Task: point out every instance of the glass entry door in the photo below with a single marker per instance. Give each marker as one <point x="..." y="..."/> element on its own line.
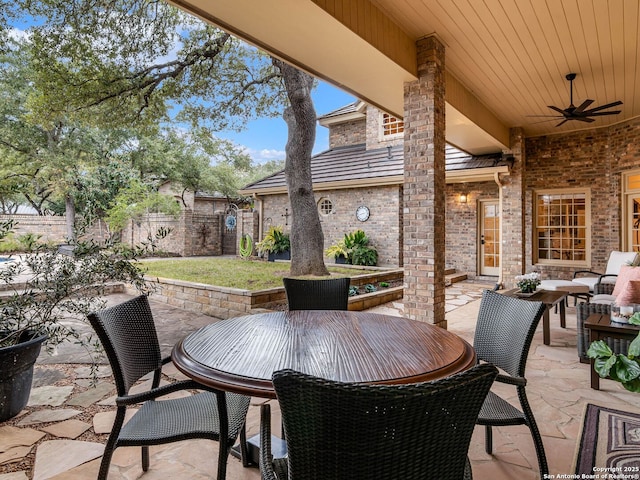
<point x="489" y="244"/>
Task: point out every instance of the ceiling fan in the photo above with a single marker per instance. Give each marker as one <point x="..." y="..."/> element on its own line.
<point x="580" y="113"/>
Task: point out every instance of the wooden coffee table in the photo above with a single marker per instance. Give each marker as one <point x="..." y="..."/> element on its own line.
<point x="549" y="298"/>
<point x="600" y="327"/>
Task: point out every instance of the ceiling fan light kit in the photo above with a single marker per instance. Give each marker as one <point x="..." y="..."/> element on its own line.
<point x="580" y="113"/>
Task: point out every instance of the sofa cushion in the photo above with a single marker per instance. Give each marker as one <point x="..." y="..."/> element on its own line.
<point x="627" y="273"/>
<point x="630" y="293"/>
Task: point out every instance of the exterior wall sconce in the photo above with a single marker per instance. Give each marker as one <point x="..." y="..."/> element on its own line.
<point x="464" y="197"/>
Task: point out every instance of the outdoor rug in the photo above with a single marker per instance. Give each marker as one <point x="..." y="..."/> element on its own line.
<point x="610" y="439"/>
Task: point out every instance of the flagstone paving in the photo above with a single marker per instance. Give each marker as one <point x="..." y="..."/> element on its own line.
<point x="66" y="423"/>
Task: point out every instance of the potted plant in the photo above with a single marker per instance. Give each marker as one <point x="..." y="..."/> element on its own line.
<point x="338" y="251"/>
<point x="276" y="244"/>
<point x="355" y="249"/>
<point x="528" y="282"/>
<point x="43" y="294"/>
<point x="619" y="367"/>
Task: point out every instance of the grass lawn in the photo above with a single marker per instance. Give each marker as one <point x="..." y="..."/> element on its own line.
<point x="230" y="272"/>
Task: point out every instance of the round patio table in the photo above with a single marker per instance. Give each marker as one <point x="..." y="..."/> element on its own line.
<point x="240" y="354"/>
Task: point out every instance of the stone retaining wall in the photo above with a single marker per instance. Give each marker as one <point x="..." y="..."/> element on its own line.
<point x="223" y="302"/>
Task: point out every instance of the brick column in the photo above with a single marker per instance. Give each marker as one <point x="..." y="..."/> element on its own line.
<point x="424" y="186"/>
<point x="513" y="208"/>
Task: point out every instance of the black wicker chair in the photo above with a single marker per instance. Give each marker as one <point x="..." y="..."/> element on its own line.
<point x="504" y="332"/>
<point x="330" y="294"/>
<point x="345" y="431"/>
<point x="128" y="334"/>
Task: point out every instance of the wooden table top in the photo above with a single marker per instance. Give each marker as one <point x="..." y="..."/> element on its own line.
<point x="240" y="354"/>
<point x="548" y="297"/>
<point x="603" y="323"/>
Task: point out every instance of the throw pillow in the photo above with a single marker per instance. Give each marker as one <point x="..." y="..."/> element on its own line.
<point x="629" y="294"/>
<point x="626" y="273"/>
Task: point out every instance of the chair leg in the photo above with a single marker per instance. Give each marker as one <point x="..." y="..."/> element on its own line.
<point x="244" y="452"/>
<point x="145" y="459"/>
<point x="111" y="444"/>
<point x="535" y="433"/>
<point x="488" y="439"/>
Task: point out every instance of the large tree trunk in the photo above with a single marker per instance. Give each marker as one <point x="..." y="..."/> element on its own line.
<point x="307" y="239"/>
<point x="70" y="214"/>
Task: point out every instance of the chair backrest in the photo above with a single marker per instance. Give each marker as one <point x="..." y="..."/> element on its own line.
<point x="504" y="331"/>
<point x="329" y="294"/>
<point x="618" y="259"/>
<point x="404" y="432"/>
<point x="128" y="335"/>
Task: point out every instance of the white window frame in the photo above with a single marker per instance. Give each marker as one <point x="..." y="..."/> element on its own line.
<point x="390" y="136"/>
<point x="628" y="194"/>
<point x="587" y="227"/>
<point x="321" y="211"/>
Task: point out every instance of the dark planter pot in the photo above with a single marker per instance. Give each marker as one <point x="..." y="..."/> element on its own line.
<point x="279" y="256"/>
<point x="342" y="260"/>
<point x="16" y="365"/>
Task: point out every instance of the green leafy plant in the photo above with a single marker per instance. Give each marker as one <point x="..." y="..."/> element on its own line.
<point x="383" y="284"/>
<point x="355" y="248"/>
<point x="621" y="368"/>
<point x="363" y="255"/>
<point x="275" y="241"/>
<point x="370" y="288"/>
<point x="353" y="291"/>
<point x="337" y="250"/>
<point x="28" y="241"/>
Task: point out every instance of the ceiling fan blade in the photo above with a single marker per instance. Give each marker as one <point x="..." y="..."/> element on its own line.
<point x="562" y="122"/>
<point x="612" y="112"/>
<point x="584" y="105"/>
<point x="602" y="107"/>
<point x="544" y="121"/>
<point x="559" y="110"/>
<point x="546" y="116"/>
<point x="583" y="119"/>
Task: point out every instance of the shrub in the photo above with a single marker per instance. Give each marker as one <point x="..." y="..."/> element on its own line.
<point x="355" y="247"/>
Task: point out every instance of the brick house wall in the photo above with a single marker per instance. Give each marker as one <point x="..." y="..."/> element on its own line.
<point x="593" y="159"/>
<point x="384" y="226"/>
<point x="462" y="224"/>
<point x="374" y="133"/>
<point x="347" y="133"/>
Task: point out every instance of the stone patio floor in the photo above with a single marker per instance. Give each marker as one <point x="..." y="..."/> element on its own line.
<point x="57" y="414"/>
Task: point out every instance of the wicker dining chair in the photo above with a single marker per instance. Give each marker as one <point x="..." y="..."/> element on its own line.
<point x="329" y="294"/>
<point x="128" y="335"/>
<point x="504" y="332"/>
<point x="355" y="431"/>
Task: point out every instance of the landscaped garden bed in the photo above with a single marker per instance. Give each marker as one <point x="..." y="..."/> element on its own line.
<point x="225" y="302"/>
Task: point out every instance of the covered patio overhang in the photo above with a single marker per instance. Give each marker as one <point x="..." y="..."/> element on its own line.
<point x="357" y="47"/>
<point x="474" y="76"/>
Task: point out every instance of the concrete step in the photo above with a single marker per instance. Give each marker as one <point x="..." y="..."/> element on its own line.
<point x="451" y="276"/>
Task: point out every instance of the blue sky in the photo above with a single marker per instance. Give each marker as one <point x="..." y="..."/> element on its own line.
<point x="266" y="138"/>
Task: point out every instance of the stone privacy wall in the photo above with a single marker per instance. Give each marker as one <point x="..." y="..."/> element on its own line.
<point x="384" y="226"/>
<point x="348" y="133"/>
<point x="52" y="229"/>
<point x="593" y="159"/>
<point x="191" y="234"/>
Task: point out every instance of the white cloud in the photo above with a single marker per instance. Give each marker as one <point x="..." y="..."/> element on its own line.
<point x="17" y="34"/>
<point x="264" y="155"/>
